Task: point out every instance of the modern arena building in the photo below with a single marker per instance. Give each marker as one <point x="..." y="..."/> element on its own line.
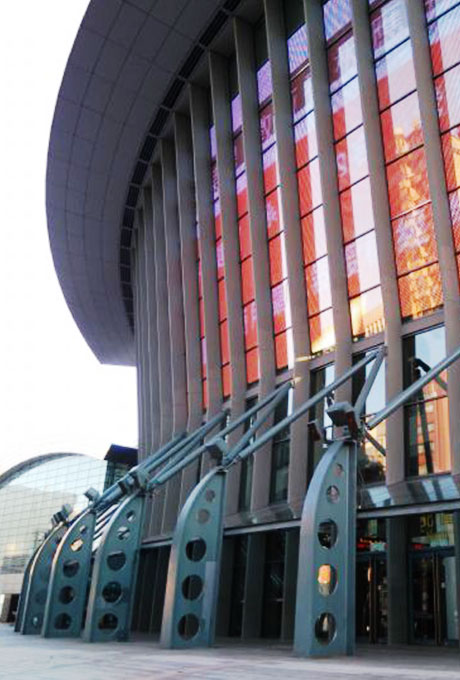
<point x="246" y="192"/>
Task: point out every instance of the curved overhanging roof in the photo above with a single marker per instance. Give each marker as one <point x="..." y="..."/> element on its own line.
<point x="128" y="63"/>
<point x="26" y="465"/>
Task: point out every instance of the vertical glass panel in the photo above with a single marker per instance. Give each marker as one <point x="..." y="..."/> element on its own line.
<point x="356" y="210"/>
<point x="407" y="183"/>
<point x="362" y="264"/>
<point x="337" y="15"/>
<point x="247" y="280"/>
<point x="414" y="240"/>
<point x="201" y="315"/>
<point x="318" y="286"/>
<point x="306" y="146"/>
<point x="454" y="200"/>
<point x="351" y="158"/>
<point x="314" y="236"/>
<point x="226" y="381"/>
<point x="224" y="344"/>
<point x="427" y="436"/>
<point x="389" y="26"/>
<point x="367" y="313"/>
<point x="428" y="347"/>
<point x="448" y="98"/>
<point x="297" y="49"/>
<point x="322" y="335"/>
<point x="252" y="366"/>
<point x="222" y="300"/>
<point x="279" y="304"/>
<point x="204" y="363"/>
<point x="237" y="116"/>
<point x="444" y="36"/>
<point x="238" y="152"/>
<point x="215" y="182"/>
<point x="242" y="195"/>
<point x="270" y="168"/>
<point x="217" y="219"/>
<point x="272" y="209"/>
<point x="267" y="130"/>
<point x="433" y="8"/>
<point x="420" y="292"/>
<point x="250" y="325"/>
<point x="451" y="152"/>
<point x="281" y="350"/>
<point x="309" y="184"/>
<point x="244" y="237"/>
<point x="395" y="75"/>
<point x="302" y="94"/>
<point x="212" y="140"/>
<point x="264" y="82"/>
<point x="277" y="258"/>
<point x="346" y="109"/>
<point x="342" y="62"/>
<point x="220" y="259"/>
<point x="401" y="127"/>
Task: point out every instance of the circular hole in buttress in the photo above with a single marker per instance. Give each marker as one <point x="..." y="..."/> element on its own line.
<point x="203" y="515"/>
<point x="210" y="495"/>
<point x="327" y="533"/>
<point x="327" y="579"/>
<point x="332" y="494"/>
<point x="66" y="594"/>
<point x="192" y="587"/>
<point x="108" y="622"/>
<point x="196" y="549"/>
<point x="325" y="628"/>
<point x="112" y="592"/>
<point x="70" y="568"/>
<point x="62" y="622"/>
<point x="116" y="560"/>
<point x="188" y="626"/>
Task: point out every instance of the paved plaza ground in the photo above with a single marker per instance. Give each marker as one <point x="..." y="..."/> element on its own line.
<point x="33" y="658"/>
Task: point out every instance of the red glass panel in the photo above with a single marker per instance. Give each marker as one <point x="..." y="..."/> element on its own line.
<point x="346" y="109"/>
<point x="313" y="236"/>
<point x="444" y="36"/>
<point x="362" y="264"/>
<point x="204" y="361"/>
<point x="270" y="169"/>
<point x="217" y="219"/>
<point x="342" y="62"/>
<point x="414" y="240"/>
<point x="356" y="209"/>
<point x="322" y="334"/>
<point x="201" y="315"/>
<point x="389" y="26"/>
<point x="281" y="350"/>
<point x="245" y="237"/>
<point x="309" y="184"/>
<point x="448" y="98"/>
<point x="451" y="151"/>
<point x="250" y="325"/>
<point x="237" y="115"/>
<point x="267" y="131"/>
<point x="454" y="200"/>
<point x="272" y="210"/>
<point x="401" y="127"/>
<point x="226" y="381"/>
<point x="337" y="15"/>
<point x="306" y="146"/>
<point x="238" y="153"/>
<point x="214" y="181"/>
<point x="222" y="300"/>
<point x="297" y="49"/>
<point x="407" y="183"/>
<point x="247" y="281"/>
<point x="420" y="292"/>
<point x="242" y="194"/>
<point x="220" y="259"/>
<point x="276" y="252"/>
<point x="224" y="342"/>
<point x="367" y="314"/>
<point x="351" y="158"/>
<point x="302" y="94"/>
<point x="395" y="75"/>
<point x="205" y="394"/>
<point x="318" y="286"/>
<point x="252" y="365"/>
<point x="264" y="82"/>
<point x="200" y="279"/>
<point x="280" y="306"/>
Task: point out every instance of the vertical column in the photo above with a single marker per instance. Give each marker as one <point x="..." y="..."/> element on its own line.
<point x="218" y="68"/>
<point x="202" y="165"/>
<point x="441" y="213"/>
<point x="277" y="51"/>
<point x="187" y="219"/>
<point x="329" y="188"/>
<point x="247" y="82"/>
<point x="384" y="236"/>
<point x="135" y="267"/>
<point x="147" y="428"/>
<point x="397" y="577"/>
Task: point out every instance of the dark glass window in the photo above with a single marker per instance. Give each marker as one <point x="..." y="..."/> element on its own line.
<point x="275" y="555"/>
<point x="238" y="585"/>
<point x="320" y="379"/>
<point x="244" y="500"/>
<point x="280" y="454"/>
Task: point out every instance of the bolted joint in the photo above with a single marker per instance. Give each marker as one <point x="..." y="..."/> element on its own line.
<point x="217" y="449"/>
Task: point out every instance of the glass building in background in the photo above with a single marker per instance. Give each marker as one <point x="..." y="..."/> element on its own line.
<point x="245" y="192"/>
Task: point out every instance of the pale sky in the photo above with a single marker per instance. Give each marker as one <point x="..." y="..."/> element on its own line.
<point x="54" y="394"/>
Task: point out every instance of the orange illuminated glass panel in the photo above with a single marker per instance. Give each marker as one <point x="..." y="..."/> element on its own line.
<point x="276" y="252"/>
<point x="217" y="219"/>
<point x="250" y="325"/>
<point x="318" y="286"/>
<point x="272" y="209"/>
<point x="226" y="380"/>
<point x="301" y="95"/>
<point x="224" y="342"/>
<point x="342" y="62"/>
<point x="244" y="237"/>
<point x="367" y="313"/>
<point x="306" y="146"/>
<point x="252" y="366"/>
<point x="395" y="75"/>
<point x="281" y="350"/>
<point x="204" y="362"/>
<point x="238" y="153"/>
<point x="414" y="240"/>
<point x="309" y="183"/>
<point x="444" y="38"/>
<point x="389" y="26"/>
<point x="242" y="194"/>
<point x="200" y="279"/>
<point x="407" y="183"/>
<point x="351" y="158"/>
<point x="267" y="129"/>
<point x="314" y="236"/>
<point x="420" y="292"/>
<point x="362" y="264"/>
<point x="205" y="394"/>
<point x="279" y="305"/>
<point x="454" y="200"/>
<point x="270" y="169"/>
<point x="448" y="98"/>
<point x="451" y="152"/>
<point x="401" y="127"/>
<point x="220" y="259"/>
<point x="222" y="300"/>
<point x="346" y="109"/>
<point x="247" y="281"/>
<point x="356" y="210"/>
<point x="322" y="335"/>
<point x="201" y="313"/>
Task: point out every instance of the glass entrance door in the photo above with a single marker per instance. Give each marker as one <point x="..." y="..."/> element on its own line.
<point x="434" y="599"/>
<point x="371" y="599"/>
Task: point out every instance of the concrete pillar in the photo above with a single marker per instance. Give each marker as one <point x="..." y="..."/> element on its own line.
<point x="384" y="237"/>
<point x="144" y="336"/>
<point x="282" y="109"/>
<point x="329" y="188"/>
<point x="135" y="267"/>
<point x="188" y="245"/>
<point x="290" y="584"/>
<point x="247" y="82"/>
<point x="254" y="587"/>
<point x="441" y="212"/>
<point x="398" y="581"/>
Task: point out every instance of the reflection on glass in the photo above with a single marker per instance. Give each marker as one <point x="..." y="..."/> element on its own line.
<point x="322" y="334"/>
<point x="420" y="292"/>
<point x="414" y="240"/>
<point x="407" y="183"/>
<point x="395" y="75"/>
<point x="401" y="127"/>
<point x="356" y="210"/>
<point x="367" y="313"/>
<point x="389" y="26"/>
